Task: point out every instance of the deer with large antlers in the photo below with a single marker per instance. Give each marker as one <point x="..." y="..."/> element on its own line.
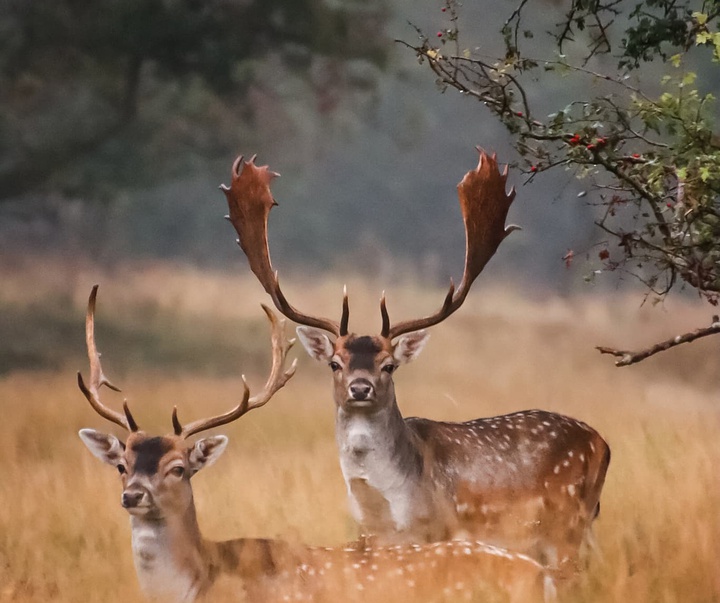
<point x="530" y="480"/>
<point x="175" y="563"/>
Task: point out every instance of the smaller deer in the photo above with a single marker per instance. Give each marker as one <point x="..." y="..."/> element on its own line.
<point x="529" y="481"/>
<point x="174" y="563"/>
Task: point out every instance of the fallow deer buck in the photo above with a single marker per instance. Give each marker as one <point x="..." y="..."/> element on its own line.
<point x="528" y="481"/>
<point x="174" y="563"/>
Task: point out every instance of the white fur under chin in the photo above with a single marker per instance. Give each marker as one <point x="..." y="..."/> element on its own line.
<point x="160" y="577"/>
<point x="363" y="457"/>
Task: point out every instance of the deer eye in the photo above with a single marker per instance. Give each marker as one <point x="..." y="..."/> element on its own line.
<point x="177" y="471"/>
<point x="121" y="469"/>
<point x="389" y="368"/>
<point x="334" y="366"/>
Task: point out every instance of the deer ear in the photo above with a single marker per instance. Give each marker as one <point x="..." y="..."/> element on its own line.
<point x="104" y="446"/>
<point x="205" y="452"/>
<point x="408" y="347"/>
<point x="316" y="342"/>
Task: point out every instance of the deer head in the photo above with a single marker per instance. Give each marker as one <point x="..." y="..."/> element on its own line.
<point x="363" y="365"/>
<point x="156" y="470"/>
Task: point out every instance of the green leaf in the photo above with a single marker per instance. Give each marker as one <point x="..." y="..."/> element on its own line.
<point x="703" y="37"/>
<point x="701" y="18"/>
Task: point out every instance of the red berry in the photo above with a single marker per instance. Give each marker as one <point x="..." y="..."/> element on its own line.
<point x="443" y="9"/>
<point x="636" y="155"/>
<point x="439" y="34"/>
<point x="519" y="113"/>
<point x="604" y="254"/>
<point x="533" y="168"/>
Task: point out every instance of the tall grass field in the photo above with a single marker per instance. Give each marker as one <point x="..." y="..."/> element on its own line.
<point x="177" y="336"/>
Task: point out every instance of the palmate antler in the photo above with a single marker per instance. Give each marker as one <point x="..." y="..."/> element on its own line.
<point x="250" y="201"/>
<point x="483" y="200"/>
<point x="276" y="380"/>
<point x="484" y="204"/>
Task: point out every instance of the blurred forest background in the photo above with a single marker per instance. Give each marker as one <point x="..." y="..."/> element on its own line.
<point x="119" y="120"/>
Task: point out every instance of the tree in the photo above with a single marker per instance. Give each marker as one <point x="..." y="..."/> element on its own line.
<point x="96" y="96"/>
<point x="653" y="159"/>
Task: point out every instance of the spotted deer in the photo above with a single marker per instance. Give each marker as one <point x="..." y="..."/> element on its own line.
<point x="174" y="563"/>
<point x="529" y="481"/>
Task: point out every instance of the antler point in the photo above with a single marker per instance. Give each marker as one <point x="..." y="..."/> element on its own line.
<point x="177" y="426"/>
<point x="235" y="165"/>
<point x="510" y="228"/>
<point x="269" y="313"/>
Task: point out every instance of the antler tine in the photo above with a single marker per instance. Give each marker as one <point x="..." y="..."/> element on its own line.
<point x="345" y="314"/>
<point x="277" y="379"/>
<point x="97" y="377"/>
<point x="250" y="201"/>
<point x="385" y="330"/>
<point x="484" y="204"/>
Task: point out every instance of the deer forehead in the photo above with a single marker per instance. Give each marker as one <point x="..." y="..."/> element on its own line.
<point x="147" y="454"/>
<point x="362" y="352"/>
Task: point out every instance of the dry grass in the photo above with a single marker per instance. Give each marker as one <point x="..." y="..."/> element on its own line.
<point x="64" y="536"/>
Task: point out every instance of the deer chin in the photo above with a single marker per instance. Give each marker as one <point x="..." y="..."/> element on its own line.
<point x="361" y="405"/>
<point x="146" y="511"/>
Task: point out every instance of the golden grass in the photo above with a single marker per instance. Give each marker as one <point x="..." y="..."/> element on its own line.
<point x="64" y="536"/>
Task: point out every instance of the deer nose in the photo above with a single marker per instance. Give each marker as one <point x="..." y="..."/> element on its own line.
<point x="361" y="389"/>
<point x="131" y="498"/>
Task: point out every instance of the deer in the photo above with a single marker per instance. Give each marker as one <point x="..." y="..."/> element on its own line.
<point x="175" y="563"/>
<point x="529" y="481"/>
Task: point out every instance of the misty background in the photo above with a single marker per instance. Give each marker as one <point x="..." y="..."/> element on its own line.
<point x="103" y="161"/>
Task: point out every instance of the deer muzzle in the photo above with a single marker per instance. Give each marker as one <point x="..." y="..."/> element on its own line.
<point x="135" y="498"/>
<point x="361" y="392"/>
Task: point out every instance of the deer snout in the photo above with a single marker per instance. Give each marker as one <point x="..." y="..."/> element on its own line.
<point x="131" y="498"/>
<point x="361" y="389"/>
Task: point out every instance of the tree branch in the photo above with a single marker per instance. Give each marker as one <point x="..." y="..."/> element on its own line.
<point x="627" y="358"/>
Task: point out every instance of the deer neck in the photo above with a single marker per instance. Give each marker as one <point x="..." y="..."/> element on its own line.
<point x="175" y="564"/>
<point x="382" y="466"/>
<point x="169" y="557"/>
<point x="366" y="438"/>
